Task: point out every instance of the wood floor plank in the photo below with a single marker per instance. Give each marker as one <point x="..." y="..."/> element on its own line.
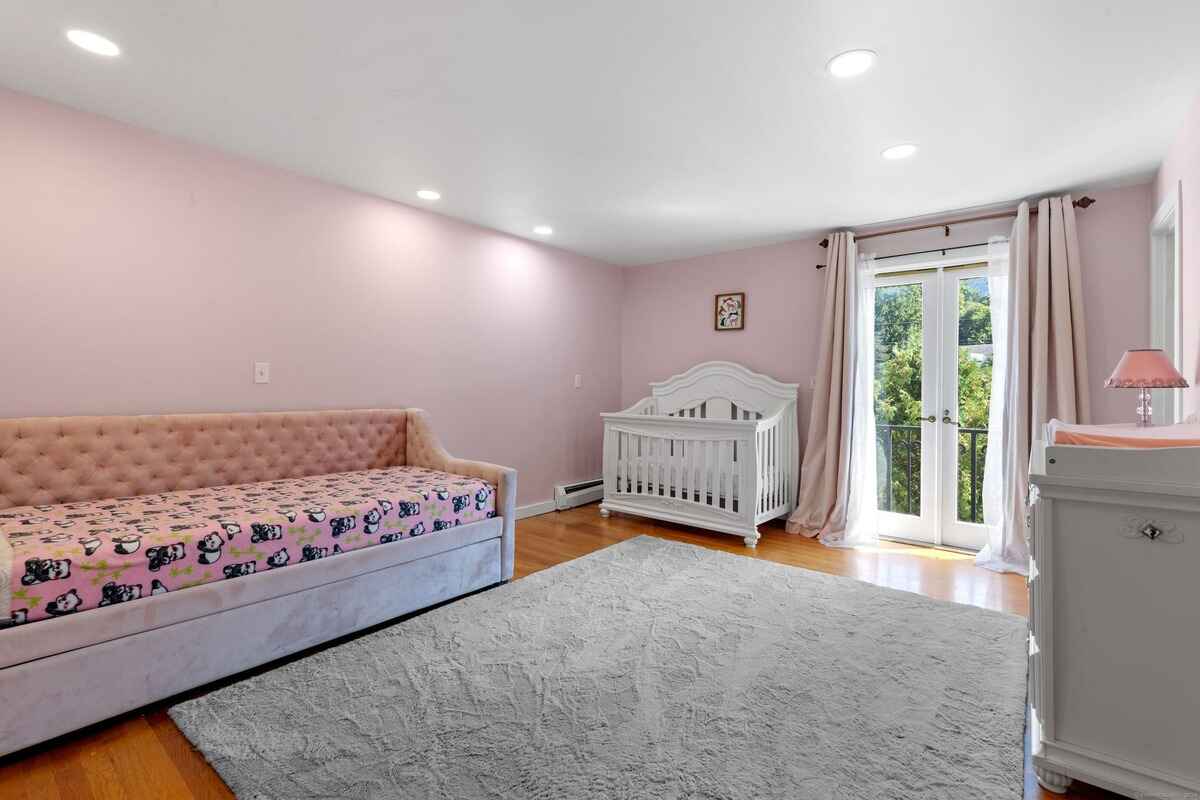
<point x="202" y="781"/>
<point x="144" y="755"/>
<point x="143" y="765"/>
<point x="37" y="779"/>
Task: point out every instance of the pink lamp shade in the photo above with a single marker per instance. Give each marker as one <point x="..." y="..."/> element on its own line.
<point x="1145" y="368"/>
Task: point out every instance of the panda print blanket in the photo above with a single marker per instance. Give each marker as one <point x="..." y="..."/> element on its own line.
<point x="59" y="560"/>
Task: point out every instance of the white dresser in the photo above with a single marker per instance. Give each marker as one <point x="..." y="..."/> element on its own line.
<point x="1114" y="593"/>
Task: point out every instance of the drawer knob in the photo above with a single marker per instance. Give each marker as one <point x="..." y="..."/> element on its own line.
<point x="1156" y="530"/>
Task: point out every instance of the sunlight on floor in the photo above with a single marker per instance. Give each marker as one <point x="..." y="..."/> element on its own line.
<point x="935" y="553"/>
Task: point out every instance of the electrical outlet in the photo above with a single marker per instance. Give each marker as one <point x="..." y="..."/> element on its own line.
<point x="262" y="371"/>
<point x="578" y="381"/>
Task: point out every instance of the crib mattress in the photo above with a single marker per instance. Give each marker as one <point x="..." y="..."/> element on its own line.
<point x="63" y="559"/>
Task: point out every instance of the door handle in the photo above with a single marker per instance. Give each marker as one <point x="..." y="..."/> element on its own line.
<point x="930" y="418"/>
<point x="946" y="417"/>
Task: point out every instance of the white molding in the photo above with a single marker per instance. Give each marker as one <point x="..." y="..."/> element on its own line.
<point x="1166" y="269"/>
<point x="535" y="509"/>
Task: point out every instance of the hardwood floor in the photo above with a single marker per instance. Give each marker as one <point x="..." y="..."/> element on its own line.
<point x="143" y="754"/>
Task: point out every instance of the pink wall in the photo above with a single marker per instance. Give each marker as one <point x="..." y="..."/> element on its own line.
<point x="1114" y="244"/>
<point x="667" y="319"/>
<point x="1182" y="165"/>
<point x="145" y="275"/>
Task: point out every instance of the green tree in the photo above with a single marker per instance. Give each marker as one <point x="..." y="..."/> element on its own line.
<point x="897" y="391"/>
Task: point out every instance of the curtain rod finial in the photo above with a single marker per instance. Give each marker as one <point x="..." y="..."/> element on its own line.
<point x="824" y="243"/>
<point x="1084" y="201"/>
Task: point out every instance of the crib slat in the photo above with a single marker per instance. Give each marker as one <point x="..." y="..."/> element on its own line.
<point x="675" y="468"/>
<point x="655" y="454"/>
<point x="716" y="474"/>
<point x="631" y="463"/>
<point x="647" y="464"/>
<point x="664" y="449"/>
<point x="727" y="474"/>
<point x="624" y="462"/>
<point x="687" y="481"/>
<point x="617" y="466"/>
<point x="766" y="472"/>
<point x="693" y="477"/>
<point x="647" y="444"/>
<point x="660" y="467"/>
<point x="759" y="498"/>
<point x="719" y="474"/>
<point x="657" y="465"/>
<point x="640" y="486"/>
<point x="780" y="463"/>
<point x="766" y="481"/>
<point x="668" y="454"/>
<point x="775" y="466"/>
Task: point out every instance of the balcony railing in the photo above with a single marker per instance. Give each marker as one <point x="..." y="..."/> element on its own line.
<point x="899" y="478"/>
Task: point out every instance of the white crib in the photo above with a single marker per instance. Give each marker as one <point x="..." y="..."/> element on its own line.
<point x="716" y="447"/>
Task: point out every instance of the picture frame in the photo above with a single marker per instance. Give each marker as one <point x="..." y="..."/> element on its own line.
<point x="729" y="311"/>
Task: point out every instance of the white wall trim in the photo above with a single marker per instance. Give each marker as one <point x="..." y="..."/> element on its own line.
<point x="535" y="509"/>
<point x="1166" y="312"/>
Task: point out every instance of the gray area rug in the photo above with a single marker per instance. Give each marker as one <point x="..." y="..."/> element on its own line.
<point x="650" y="669"/>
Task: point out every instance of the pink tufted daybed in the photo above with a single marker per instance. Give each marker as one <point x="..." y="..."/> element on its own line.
<point x="143" y="556"/>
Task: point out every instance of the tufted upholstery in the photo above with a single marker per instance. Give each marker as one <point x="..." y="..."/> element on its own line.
<point x="50" y="460"/>
<point x="425" y="450"/>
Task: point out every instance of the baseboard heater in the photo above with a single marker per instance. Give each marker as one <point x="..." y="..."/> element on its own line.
<point x="569" y="495"/>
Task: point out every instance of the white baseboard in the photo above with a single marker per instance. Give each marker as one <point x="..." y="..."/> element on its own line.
<point x="535" y="509"/>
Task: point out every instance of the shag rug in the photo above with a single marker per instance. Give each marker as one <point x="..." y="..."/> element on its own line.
<point x="650" y="669"/>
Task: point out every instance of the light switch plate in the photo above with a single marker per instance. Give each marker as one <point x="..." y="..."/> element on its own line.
<point x="262" y="371"/>
<point x="578" y="381"/>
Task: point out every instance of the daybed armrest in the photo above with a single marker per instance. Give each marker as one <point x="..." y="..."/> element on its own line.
<point x="425" y="450"/>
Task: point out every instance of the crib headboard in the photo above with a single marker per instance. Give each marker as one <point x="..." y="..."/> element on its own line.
<point x="722" y="390"/>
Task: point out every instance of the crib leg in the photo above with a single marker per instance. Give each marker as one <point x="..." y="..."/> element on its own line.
<point x="604" y="512"/>
<point x="751" y="540"/>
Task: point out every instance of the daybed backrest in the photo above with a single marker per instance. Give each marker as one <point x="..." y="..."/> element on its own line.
<point x="722" y="390"/>
<point x="48" y="460"/>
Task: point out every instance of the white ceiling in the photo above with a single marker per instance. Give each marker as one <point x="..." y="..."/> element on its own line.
<point x="642" y="130"/>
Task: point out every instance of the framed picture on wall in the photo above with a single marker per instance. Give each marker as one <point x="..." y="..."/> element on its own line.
<point x="730" y="313"/>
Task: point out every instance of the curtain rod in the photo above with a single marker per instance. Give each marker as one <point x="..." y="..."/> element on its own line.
<point x="1082" y="202"/>
<point x="942" y="250"/>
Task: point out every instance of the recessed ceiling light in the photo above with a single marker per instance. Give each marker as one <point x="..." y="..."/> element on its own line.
<point x="898" y="151"/>
<point x="429" y="194"/>
<point x="851" y="63"/>
<point x="93" y="43"/>
<point x="543" y="230"/>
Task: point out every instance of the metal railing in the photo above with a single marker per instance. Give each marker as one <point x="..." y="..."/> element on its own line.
<point x="899" y="477"/>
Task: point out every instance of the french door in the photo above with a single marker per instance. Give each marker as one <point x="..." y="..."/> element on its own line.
<point x="933" y="367"/>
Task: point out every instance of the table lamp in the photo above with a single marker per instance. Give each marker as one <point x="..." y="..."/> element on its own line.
<point x="1145" y="368"/>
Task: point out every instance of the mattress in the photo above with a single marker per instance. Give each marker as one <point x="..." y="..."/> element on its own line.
<point x="60" y="560"/>
<point x="1180" y="435"/>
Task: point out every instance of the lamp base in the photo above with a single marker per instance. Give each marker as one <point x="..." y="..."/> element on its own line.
<point x="1145" y="414"/>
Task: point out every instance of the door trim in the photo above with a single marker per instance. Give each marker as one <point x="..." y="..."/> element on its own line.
<point x="937" y="524"/>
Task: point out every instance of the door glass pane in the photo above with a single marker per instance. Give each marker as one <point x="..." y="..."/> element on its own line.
<point x="974" y="393"/>
<point x="898" y="346"/>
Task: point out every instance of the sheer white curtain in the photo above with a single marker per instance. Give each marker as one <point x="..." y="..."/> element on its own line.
<point x="862" y="526"/>
<point x="1005" y="549"/>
